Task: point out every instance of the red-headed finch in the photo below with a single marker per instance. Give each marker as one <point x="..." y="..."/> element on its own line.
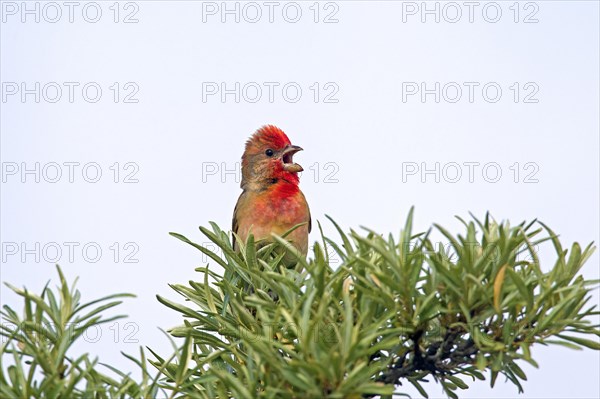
<point x="271" y="201"/>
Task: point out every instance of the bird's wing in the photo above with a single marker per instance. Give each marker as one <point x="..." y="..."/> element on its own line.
<point x="234" y="221"/>
<point x="308" y="209"/>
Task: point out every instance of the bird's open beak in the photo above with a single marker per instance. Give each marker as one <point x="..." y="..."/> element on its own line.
<point x="287" y="157"/>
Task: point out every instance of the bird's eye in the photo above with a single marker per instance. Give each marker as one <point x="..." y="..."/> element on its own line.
<point x="269" y="152"/>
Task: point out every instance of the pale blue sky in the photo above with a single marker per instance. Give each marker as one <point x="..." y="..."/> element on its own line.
<point x="363" y="138"/>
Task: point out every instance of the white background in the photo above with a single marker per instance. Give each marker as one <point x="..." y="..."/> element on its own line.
<point x="358" y="149"/>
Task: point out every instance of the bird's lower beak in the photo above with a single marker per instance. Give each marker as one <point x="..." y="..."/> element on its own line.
<point x="287" y="157"/>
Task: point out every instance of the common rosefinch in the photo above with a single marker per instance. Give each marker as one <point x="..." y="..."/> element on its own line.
<point x="271" y="201"/>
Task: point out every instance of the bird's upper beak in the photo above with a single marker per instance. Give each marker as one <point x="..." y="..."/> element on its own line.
<point x="287" y="157"/>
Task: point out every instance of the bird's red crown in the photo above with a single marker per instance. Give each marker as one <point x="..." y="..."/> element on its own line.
<point x="268" y="135"/>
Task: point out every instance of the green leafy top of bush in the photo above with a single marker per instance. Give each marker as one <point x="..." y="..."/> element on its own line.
<point x="395" y="310"/>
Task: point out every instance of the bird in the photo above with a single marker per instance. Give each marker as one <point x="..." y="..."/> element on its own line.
<point x="271" y="200"/>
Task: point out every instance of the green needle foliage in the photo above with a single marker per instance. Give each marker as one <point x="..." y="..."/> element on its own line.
<point x="395" y="311"/>
<point x="36" y="360"/>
